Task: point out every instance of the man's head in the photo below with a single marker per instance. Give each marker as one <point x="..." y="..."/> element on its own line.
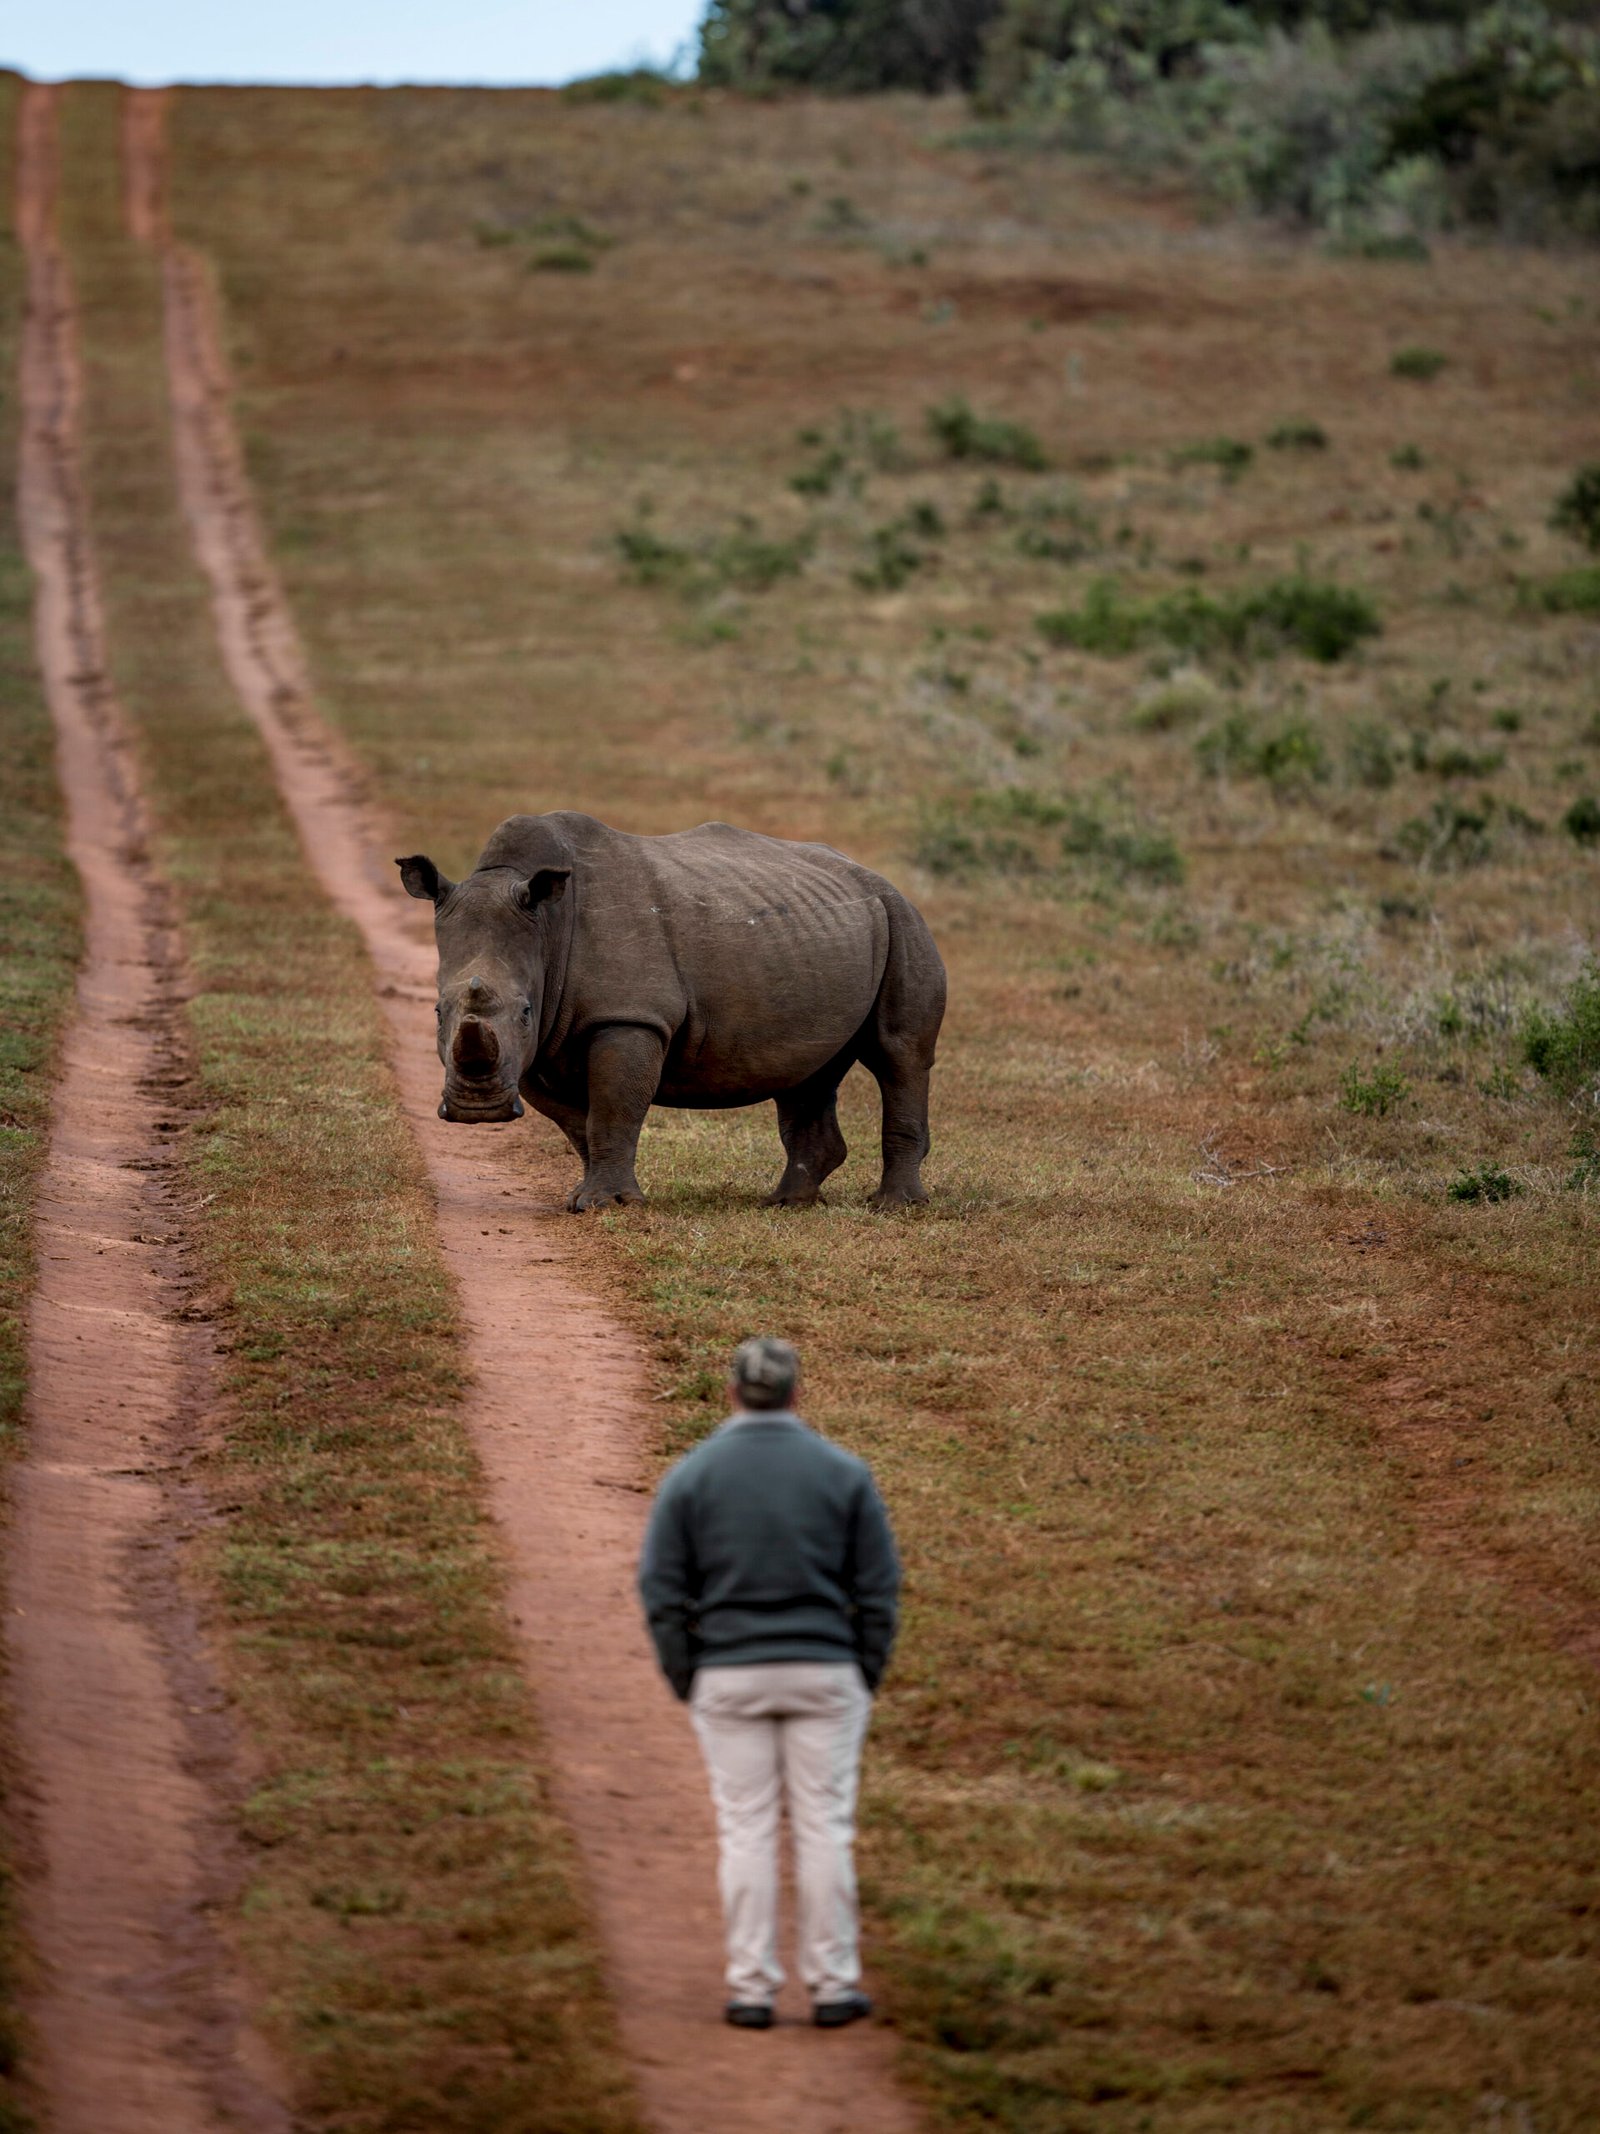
<point x="765" y="1373"/>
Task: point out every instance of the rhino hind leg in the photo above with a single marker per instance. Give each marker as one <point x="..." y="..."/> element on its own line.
<point x="902" y="1079"/>
<point x="808" y="1126"/>
<point x="898" y="1047"/>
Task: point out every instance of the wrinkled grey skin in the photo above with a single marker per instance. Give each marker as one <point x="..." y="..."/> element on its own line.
<point x="595" y="974"/>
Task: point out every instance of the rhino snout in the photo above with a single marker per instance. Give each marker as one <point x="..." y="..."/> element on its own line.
<point x="497" y="1112"/>
<point x="475" y="1053"/>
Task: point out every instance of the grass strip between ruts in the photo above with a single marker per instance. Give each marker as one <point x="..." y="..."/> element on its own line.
<point x="413" y="1911"/>
<point x="39" y="945"/>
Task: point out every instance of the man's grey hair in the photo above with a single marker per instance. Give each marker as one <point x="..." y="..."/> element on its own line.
<point x="765" y="1372"/>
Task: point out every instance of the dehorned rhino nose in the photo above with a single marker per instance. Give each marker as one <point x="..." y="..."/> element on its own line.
<point x="477" y="989"/>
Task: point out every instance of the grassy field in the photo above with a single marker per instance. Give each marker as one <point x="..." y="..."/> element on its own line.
<point x="1236" y="1769"/>
<point x="411" y="1912"/>
<point x="1232" y="1775"/>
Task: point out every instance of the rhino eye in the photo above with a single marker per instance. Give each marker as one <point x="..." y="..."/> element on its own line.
<point x="527" y="1011"/>
<point x="438" y="1011"/>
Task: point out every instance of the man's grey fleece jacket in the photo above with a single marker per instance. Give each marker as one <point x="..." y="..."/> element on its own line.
<point x="768" y="1543"/>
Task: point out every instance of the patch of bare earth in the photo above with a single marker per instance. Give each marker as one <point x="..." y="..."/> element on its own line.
<point x="125" y="1747"/>
<point x="556" y="1411"/>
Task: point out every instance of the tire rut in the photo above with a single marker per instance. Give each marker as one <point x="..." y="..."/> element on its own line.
<point x="558" y="1396"/>
<point x="137" y="2018"/>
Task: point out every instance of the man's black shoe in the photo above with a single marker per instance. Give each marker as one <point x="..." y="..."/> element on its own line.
<point x="833" y="2015"/>
<point x="748" y="2015"/>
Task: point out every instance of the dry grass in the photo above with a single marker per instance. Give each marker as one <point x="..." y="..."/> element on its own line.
<point x="412" y="1911"/>
<point x="1203" y="1795"/>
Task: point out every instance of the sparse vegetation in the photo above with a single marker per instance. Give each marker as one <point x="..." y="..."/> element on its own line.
<point x="1563" y="1043"/>
<point x="1298" y="436"/>
<point x="1488" y="1182"/>
<point x="1375" y="1094"/>
<point x="967" y="435"/>
<point x="1420" y="364"/>
<point x="1325" y="622"/>
<point x="1229" y="455"/>
<point x="1577" y="509"/>
<point x="1226" y="1399"/>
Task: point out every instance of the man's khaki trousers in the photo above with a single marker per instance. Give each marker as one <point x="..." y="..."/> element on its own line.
<point x="787" y="1733"/>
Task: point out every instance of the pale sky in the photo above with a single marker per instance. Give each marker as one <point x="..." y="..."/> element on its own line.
<point x="151" y="42"/>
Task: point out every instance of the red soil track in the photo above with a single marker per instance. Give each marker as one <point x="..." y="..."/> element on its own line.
<point x="556" y="1409"/>
<point x="119" y="1725"/>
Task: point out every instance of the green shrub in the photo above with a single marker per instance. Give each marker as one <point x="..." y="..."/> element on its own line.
<point x="1295" y="614"/>
<point x="1374" y="1095"/>
<point x="1229" y="455"/>
<point x="1582" y="820"/>
<point x="894" y="556"/>
<point x="746" y="559"/>
<point x="1584" y="1177"/>
<point x="1298" y="436"/>
<point x="1450" y="835"/>
<point x="826" y="471"/>
<point x="1568" y="593"/>
<point x="742" y="558"/>
<point x="1456" y="760"/>
<point x="1419" y="363"/>
<point x="1487" y="1183"/>
<point x="1014" y="832"/>
<point x="625" y="85"/>
<point x="965" y="434"/>
<point x="1289" y="754"/>
<point x="648" y="559"/>
<point x="1407" y="459"/>
<point x="1146" y="855"/>
<point x="1371" y="755"/>
<point x="1577" y="509"/>
<point x="563" y="259"/>
<point x="1182" y="700"/>
<point x="1563" y="1044"/>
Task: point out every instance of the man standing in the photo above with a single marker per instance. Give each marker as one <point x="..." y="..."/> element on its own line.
<point x="770" y="1581"/>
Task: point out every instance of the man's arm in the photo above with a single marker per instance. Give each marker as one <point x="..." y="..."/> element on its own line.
<point x="875" y="1584"/>
<point x="667" y="1586"/>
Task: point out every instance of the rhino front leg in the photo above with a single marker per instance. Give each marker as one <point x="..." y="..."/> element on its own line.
<point x="624" y="1070"/>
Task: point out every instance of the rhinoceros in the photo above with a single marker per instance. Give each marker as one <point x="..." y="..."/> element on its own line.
<point x="597" y="973"/>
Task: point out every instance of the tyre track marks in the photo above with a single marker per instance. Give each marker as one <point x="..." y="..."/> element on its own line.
<point x="120" y="1726"/>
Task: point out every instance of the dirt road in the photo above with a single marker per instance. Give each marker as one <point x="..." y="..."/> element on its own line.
<point x="120" y="1726"/>
<point x="556" y="1408"/>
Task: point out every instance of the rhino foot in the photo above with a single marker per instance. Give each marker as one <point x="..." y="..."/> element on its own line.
<point x="587" y="1198"/>
<point x="802" y="1199"/>
<point x="889" y="1197"/>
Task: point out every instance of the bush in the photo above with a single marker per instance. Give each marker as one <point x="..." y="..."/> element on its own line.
<point x="894" y="558"/>
<point x="746" y="559"/>
<point x="1011" y="833"/>
<point x="1289" y="754"/>
<point x="1183" y="700"/>
<point x="1291" y="614"/>
<point x="1488" y="1182"/>
<point x="626" y="85"/>
<point x="851" y="45"/>
<point x="1422" y="363"/>
<point x="1371" y="755"/>
<point x="1407" y="459"/>
<point x="1577" y="509"/>
<point x="1568" y="593"/>
<point x="1584" y="1177"/>
<point x="967" y="435"/>
<point x="1563" y="1044"/>
<point x="1582" y="820"/>
<point x="1229" y="455"/>
<point x="563" y="259"/>
<point x="1450" y="835"/>
<point x="1298" y="437"/>
<point x="1375" y="1095"/>
<point x="646" y="558"/>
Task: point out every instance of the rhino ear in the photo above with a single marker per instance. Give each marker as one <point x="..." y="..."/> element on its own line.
<point x="548" y="885"/>
<point x="423" y="879"/>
